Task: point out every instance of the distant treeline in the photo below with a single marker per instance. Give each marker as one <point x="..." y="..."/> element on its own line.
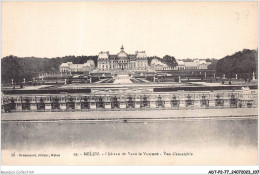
<point x="17" y="68"/>
<point x="242" y="63"/>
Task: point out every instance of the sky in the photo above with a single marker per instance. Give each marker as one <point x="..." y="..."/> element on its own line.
<point x="180" y="29"/>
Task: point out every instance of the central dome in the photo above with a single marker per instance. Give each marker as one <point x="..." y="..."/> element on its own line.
<point x="122" y="53"/>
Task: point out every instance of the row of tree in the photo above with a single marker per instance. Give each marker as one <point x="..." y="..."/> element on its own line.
<point x="242" y="63"/>
<point x="17" y="68"/>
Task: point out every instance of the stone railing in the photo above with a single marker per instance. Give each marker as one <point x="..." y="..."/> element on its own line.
<point x="175" y="100"/>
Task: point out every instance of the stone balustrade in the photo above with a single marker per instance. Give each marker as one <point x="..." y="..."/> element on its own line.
<point x="175" y="100"/>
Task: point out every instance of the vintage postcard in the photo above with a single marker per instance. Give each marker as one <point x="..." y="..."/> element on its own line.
<point x="129" y="83"/>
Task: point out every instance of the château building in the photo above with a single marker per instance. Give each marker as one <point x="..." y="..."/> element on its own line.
<point x="158" y="65"/>
<point x="192" y="65"/>
<point x="70" y="67"/>
<point x="122" y="61"/>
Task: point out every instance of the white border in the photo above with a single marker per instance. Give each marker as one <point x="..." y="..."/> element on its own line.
<point x="126" y="169"/>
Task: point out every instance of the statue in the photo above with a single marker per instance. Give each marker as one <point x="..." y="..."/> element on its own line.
<point x="253" y="77"/>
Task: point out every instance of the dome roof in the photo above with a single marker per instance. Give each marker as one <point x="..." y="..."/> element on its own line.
<point x="122" y="53"/>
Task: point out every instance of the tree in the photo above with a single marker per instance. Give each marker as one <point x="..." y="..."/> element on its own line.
<point x="170" y="61"/>
<point x="241" y="63"/>
<point x="11" y="69"/>
<point x="28" y="67"/>
<point x="213" y="65"/>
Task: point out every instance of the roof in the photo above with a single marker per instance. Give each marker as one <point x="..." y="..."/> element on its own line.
<point x="103" y="55"/>
<point x="112" y="56"/>
<point x="89" y="63"/>
<point x="141" y="55"/>
<point x="181" y="63"/>
<point x="157" y="62"/>
<point x="154" y="61"/>
<point x="162" y="64"/>
<point x="122" y="54"/>
<point x="64" y="65"/>
<point x="191" y="64"/>
<point x="202" y="62"/>
<point x="76" y="66"/>
<point x="132" y="57"/>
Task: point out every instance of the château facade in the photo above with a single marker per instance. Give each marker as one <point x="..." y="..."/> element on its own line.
<point x="193" y="65"/>
<point x="70" y="67"/>
<point x="122" y="61"/>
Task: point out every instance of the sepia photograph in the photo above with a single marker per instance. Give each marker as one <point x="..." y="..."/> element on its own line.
<point x="129" y="83"/>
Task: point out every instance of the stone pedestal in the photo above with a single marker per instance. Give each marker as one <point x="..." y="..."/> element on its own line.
<point x="19" y="107"/>
<point x="33" y="107"/>
<point x="63" y="106"/>
<point x="211" y="103"/>
<point x="107" y="105"/>
<point x="137" y="104"/>
<point x="2" y="109"/>
<point x="77" y="106"/>
<point x="122" y="105"/>
<point x="47" y="107"/>
<point x="227" y="103"/>
<point x="153" y="104"/>
<point x="168" y="104"/>
<point x="93" y="105"/>
<point x="197" y="104"/>
<point x="182" y="104"/>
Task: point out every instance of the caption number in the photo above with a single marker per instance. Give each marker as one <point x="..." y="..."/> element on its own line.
<point x="240" y="15"/>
